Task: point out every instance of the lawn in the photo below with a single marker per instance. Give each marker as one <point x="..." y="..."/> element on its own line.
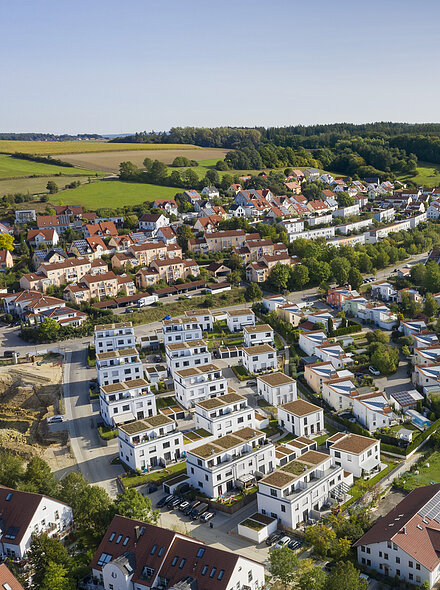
<point x="428" y="175"/>
<point x="426" y="475"/>
<point x="114" y="194"/>
<point x="15" y="168"/>
<point x="158" y="477"/>
<point x="361" y="486"/>
<point x="37" y="185"/>
<point x="81" y="147"/>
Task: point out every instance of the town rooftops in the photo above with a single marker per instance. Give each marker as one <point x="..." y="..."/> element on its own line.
<point x="114" y="354"/>
<point x="300" y="408"/>
<point x="118" y="326"/>
<point x="239" y="312"/>
<point x="227" y="442"/>
<point x="259" y="349"/>
<point x="276" y="379"/>
<point x="146" y="424"/>
<point x="202" y="370"/>
<point x="352" y="443"/>
<point x="124" y="385"/>
<point x="221" y="401"/>
<point x="290" y="472"/>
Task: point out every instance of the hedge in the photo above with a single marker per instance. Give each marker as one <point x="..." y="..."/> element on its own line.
<point x="423" y="436"/>
<point x="347" y="330"/>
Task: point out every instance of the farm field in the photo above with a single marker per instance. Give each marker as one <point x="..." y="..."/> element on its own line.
<point x="37" y="185"/>
<point x="113" y="193"/>
<point x="109" y="161"/>
<point x="428" y="175"/>
<point x="78" y="147"/>
<point x="16" y="168"/>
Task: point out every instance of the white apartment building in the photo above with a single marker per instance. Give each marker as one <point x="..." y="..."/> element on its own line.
<point x="373" y="411"/>
<point x="277" y="388"/>
<point x="403" y="543"/>
<point x="150" y="443"/>
<point x="348" y="228"/>
<point x="427" y="376"/>
<point x="260" y="334"/>
<point x="181" y="330"/>
<point x="185" y="355"/>
<point x="24" y="514"/>
<point x="426" y="355"/>
<point x="292" y="449"/>
<point x="126" y="401"/>
<point x="357" y="454"/>
<point x="301" y="418"/>
<point x="199" y="383"/>
<point x="314" y="234"/>
<point x="296" y="492"/>
<point x="347" y="211"/>
<point x="229" y="462"/>
<point x="310" y="340"/>
<point x="237" y="319"/>
<point x="259" y="358"/>
<point x="224" y="415"/>
<point x="384" y="215"/>
<point x="293" y="226"/>
<point x="339" y="393"/>
<point x="203" y="317"/>
<point x="319" y="220"/>
<point x="118" y="365"/>
<point x="109" y="337"/>
<point x="134" y="555"/>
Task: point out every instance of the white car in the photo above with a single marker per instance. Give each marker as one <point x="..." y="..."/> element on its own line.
<point x="283" y="542"/>
<point x="373" y="371"/>
<point x="55" y="419"/>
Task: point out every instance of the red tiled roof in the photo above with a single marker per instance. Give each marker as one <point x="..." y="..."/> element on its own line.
<point x="7" y="579"/>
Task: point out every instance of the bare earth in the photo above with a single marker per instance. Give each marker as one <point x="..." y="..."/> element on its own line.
<point x="109" y="161"/>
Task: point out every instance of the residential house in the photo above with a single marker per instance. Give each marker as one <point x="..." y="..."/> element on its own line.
<point x="103" y="229"/>
<point x="7" y="580"/>
<point x="211" y="192"/>
<point x="36" y="237"/>
<point x="427" y="376"/>
<point x="336" y="297"/>
<point x="218" y="270"/>
<point x="356" y="454"/>
<point x="118" y="365"/>
<point x="207" y="224"/>
<point x="181" y="330"/>
<point x="384" y="291"/>
<point x="411" y="327"/>
<point x="301" y="418"/>
<point x="424" y="339"/>
<point x="260" y="334"/>
<point x="91" y="248"/>
<point x="152" y="222"/>
<point x="6" y="260"/>
<point x="224" y="415"/>
<point x="161" y="557"/>
<point x="340" y="392"/>
<point x="311" y="174"/>
<point x="145" y="277"/>
<point x="319" y="220"/>
<point x="110" y="337"/>
<point x="231" y="461"/>
<point x="426" y="355"/>
<point x="272" y="302"/>
<point x="167" y="235"/>
<point x="314" y="234"/>
<point x="199" y="383"/>
<point x="316" y="374"/>
<point x="50" y="256"/>
<point x="185" y="355"/>
<point x="276" y="388"/>
<point x="72" y="210"/>
<point x="384" y="215"/>
<point x="126" y="401"/>
<point x="23" y="216"/>
<point x="257" y="359"/>
<point x="373" y="411"/>
<point x="308" y="342"/>
<point x="347" y="211"/>
<point x="237" y="319"/>
<point x="168" y="205"/>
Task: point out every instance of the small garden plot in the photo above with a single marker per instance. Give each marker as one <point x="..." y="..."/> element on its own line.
<point x="425" y="473"/>
<point x="195" y="435"/>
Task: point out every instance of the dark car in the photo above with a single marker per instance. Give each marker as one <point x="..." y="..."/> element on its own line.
<point x="330" y="566"/>
<point x="8" y="354"/>
<point x="171" y="500"/>
<point x="199" y="510"/>
<point x="273" y="538"/>
<point x="163" y="501"/>
<point x="191" y="507"/>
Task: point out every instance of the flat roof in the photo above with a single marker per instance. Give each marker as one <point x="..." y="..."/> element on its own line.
<point x="193" y="371"/>
<point x="354" y="443"/>
<point x="259" y="349"/>
<point x="258" y="329"/>
<point x="276" y="379"/>
<point x="113" y="326"/>
<point x="146" y="424"/>
<point x="186" y="345"/>
<point x="238" y="312"/>
<point x="222" y="400"/>
<point x="124" y="385"/>
<point x="224" y="443"/>
<point x="290" y="472"/>
<point x="115" y="353"/>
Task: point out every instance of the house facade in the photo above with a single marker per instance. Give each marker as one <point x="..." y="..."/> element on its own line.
<point x="109" y="337"/>
<point x="301" y="418"/>
<point x="126" y="401"/>
<point x="118" y="365"/>
<point x="199" y="383"/>
<point x="224" y="415"/>
<point x="185" y="355"/>
<point x="257" y="359"/>
<point x="277" y="388"/>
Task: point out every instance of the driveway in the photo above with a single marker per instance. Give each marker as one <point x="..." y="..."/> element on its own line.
<point x="400" y="381"/>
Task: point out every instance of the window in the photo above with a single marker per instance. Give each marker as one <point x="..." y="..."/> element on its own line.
<point x="410" y="564"/>
<point x="368" y="561"/>
<point x="283" y="508"/>
<point x="175" y="560"/>
<point x="417" y="566"/>
<point x="126" y="541"/>
<point x="200" y="552"/>
<point x="8" y="497"/>
<point x="118" y="540"/>
<point x="212" y="574"/>
<point x="273" y="492"/>
<point x="389" y="544"/>
<point x="397" y="559"/>
<point x="363" y="548"/>
<point x="368" y="550"/>
<point x="363" y="561"/>
<point x="160" y="552"/>
<point x="250" y="576"/>
<point x="385" y="555"/>
<point x="105" y="558"/>
<point x="411" y="576"/>
<point x="204" y="570"/>
<point x="153" y="549"/>
<point x="397" y="572"/>
<point x="380" y="553"/>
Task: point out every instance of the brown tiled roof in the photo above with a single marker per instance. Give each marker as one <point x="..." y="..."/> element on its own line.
<point x="8" y="580"/>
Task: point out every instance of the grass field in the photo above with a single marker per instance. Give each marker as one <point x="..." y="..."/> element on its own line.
<point x="109" y="161"/>
<point x="15" y="168"/>
<point x="428" y="175"/>
<point x="79" y="147"/>
<point x="37" y="185"/>
<point x="113" y="193"/>
<point x="426" y="475"/>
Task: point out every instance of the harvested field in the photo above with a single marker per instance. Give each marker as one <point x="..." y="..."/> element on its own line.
<point x="109" y="161"/>
<point x="16" y="168"/>
<point x="79" y="147"/>
<point x="37" y="186"/>
<point x="27" y="393"/>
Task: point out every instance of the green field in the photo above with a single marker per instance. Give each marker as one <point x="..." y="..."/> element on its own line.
<point x="114" y="194"/>
<point x="37" y="185"/>
<point x="16" y="168"/>
<point x="79" y="147"/>
<point x="426" y="475"/>
<point x="428" y="175"/>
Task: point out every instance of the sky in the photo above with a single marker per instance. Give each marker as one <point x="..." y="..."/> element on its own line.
<point x="108" y="66"/>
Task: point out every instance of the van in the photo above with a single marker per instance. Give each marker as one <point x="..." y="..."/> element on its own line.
<point x="55" y="419"/>
<point x="199" y="510"/>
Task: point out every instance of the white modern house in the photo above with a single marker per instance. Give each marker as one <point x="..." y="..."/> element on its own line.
<point x="150" y="443"/>
<point x="301" y="418"/>
<point x="134" y="555"/>
<point x="229" y="462"/>
<point x="411" y="327"/>
<point x="203" y="317"/>
<point x="335" y="354"/>
<point x="427" y="376"/>
<point x="118" y="365"/>
<point x="339" y="393"/>
<point x="357" y="454"/>
<point x="316" y="374"/>
<point x="403" y="543"/>
<point x="277" y="388"/>
<point x="297" y="491"/>
<point x="272" y="302"/>
<point x="126" y="401"/>
<point x="373" y="411"/>
<point x="308" y="341"/>
<point x="24" y="514"/>
<point x="257" y="359"/>
<point x="181" y="330"/>
<point x="260" y="334"/>
<point x="199" y="383"/>
<point x="109" y="337"/>
<point x="237" y="319"/>
<point x="384" y="291"/>
<point x="185" y="355"/>
<point x="289" y="450"/>
<point x="224" y="415"/>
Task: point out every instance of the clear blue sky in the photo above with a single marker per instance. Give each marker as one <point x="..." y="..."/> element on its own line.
<point x="109" y="66"/>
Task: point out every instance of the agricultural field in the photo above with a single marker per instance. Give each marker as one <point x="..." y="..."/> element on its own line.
<point x="428" y="175"/>
<point x="36" y="186"/>
<point x="109" y="161"/>
<point x="16" y="168"/>
<point x="113" y="193"/>
<point x="79" y="147"/>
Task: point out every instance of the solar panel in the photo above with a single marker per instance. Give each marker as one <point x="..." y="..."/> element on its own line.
<point x="431" y="510"/>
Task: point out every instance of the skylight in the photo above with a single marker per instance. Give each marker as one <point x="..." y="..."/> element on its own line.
<point x="112" y="536"/>
<point x="200" y="552"/>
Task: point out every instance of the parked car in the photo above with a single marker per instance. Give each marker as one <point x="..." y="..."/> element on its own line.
<point x="206" y="516"/>
<point x="164" y="500"/>
<point x="8" y="354"/>
<point x="175" y="503"/>
<point x="273" y="538"/>
<point x="187" y="511"/>
<point x="330" y="566"/>
<point x="129" y="310"/>
<point x="55" y="419"/>
<point x="167" y="317"/>
<point x="199" y="510"/>
<point x="283" y="542"/>
<point x="187" y="296"/>
<point x="171" y="500"/>
<point x="183" y="505"/>
<point x="293" y="545"/>
<point x="373" y="371"/>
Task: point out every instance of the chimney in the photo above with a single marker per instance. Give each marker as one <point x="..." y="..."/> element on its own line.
<point x="404" y="530"/>
<point x="137" y="533"/>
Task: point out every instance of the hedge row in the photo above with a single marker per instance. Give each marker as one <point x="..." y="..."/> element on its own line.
<point x="347" y="330"/>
